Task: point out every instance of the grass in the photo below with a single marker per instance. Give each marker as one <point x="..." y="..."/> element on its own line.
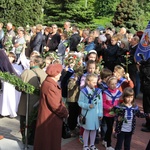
<point x="103" y="21"/>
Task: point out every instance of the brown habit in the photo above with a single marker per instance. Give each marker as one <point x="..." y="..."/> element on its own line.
<point x="50" y="117"/>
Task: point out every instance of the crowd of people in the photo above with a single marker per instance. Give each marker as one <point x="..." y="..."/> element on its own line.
<point x="85" y="72"/>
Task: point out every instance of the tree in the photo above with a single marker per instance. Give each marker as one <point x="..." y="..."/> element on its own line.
<point x="105" y="8"/>
<point x="21" y="12"/>
<point x="59" y="11"/>
<point x="128" y="14"/>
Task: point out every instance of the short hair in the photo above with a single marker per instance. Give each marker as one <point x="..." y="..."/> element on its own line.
<point x="37" y="59"/>
<point x="90" y="76"/>
<point x="136" y="38"/>
<point x="39" y="27"/>
<point x="105" y="73"/>
<point x="89" y="62"/>
<point x="9" y="24"/>
<point x="1" y="24"/>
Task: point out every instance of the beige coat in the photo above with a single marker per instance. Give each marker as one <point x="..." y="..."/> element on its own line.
<point x="29" y="76"/>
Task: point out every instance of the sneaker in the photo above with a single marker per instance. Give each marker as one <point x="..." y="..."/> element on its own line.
<point x="81" y="139"/>
<point x="92" y="147"/>
<point x="104" y="143"/>
<point x="110" y="148"/>
<point x="86" y="148"/>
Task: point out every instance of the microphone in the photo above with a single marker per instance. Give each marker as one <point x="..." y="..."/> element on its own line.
<point x="141" y="55"/>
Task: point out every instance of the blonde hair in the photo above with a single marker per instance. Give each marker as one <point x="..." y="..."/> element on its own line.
<point x="120" y="70"/>
<point x="89" y="77"/>
<point x="39" y="27"/>
<point x="1" y="24"/>
<point x="110" y="79"/>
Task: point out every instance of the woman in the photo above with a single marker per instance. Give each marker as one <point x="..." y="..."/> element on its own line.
<point x="51" y="112"/>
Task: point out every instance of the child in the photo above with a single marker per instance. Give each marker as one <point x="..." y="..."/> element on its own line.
<point x="104" y="74"/>
<point x="126" y="118"/>
<point x="90" y="100"/>
<point x="123" y="79"/>
<point x="91" y="66"/>
<point x="111" y="98"/>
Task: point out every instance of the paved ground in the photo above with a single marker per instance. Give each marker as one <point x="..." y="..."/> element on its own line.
<point x="12" y="141"/>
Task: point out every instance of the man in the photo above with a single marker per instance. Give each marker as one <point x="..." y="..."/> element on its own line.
<point x="85" y="36"/>
<point x="145" y="86"/>
<point x="67" y="26"/>
<point x="74" y="39"/>
<point x="9" y="37"/>
<point x="53" y="39"/>
<point x="133" y="72"/>
<point x="19" y="42"/>
<point x="35" y="76"/>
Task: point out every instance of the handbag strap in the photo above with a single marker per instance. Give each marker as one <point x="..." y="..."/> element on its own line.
<point x="37" y="78"/>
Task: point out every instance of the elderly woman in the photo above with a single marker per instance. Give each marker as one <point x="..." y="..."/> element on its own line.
<point x="51" y="112"/>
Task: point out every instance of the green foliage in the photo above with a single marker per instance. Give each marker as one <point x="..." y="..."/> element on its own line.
<point x="17" y="82"/>
<point x="129" y="15"/>
<point x="105" y="8"/>
<point x="21" y="12"/>
<point x="58" y="11"/>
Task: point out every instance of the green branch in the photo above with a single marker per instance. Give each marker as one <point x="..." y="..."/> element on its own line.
<point x="17" y="82"/>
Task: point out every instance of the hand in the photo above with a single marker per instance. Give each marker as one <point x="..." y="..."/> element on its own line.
<point x="100" y="118"/>
<point x="91" y="106"/>
<point x="47" y="49"/>
<point x="127" y="76"/>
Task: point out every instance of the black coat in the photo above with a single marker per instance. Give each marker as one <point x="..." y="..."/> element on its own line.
<point x="145" y="76"/>
<point x="36" y="43"/>
<point x="53" y="41"/>
<point x="74" y="41"/>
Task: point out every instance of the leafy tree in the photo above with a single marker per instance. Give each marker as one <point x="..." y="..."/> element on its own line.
<point x="128" y="14"/>
<point x="105" y="8"/>
<point x="21" y="12"/>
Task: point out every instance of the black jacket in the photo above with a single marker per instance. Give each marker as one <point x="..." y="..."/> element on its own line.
<point x="37" y="42"/>
<point x="145" y="76"/>
<point x="74" y="41"/>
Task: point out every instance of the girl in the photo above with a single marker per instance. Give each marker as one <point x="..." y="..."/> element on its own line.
<point x="110" y="99"/>
<point x="126" y="118"/>
<point x="123" y="79"/>
<point x="91" y="66"/>
<point x="90" y="100"/>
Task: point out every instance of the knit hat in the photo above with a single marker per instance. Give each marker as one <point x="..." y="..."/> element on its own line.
<point x="54" y="69"/>
<point x="102" y="38"/>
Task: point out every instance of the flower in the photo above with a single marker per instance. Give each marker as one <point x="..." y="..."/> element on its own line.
<point x="127" y="61"/>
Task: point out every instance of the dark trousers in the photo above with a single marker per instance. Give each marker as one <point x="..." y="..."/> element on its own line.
<point x="148" y="146"/>
<point x="103" y="128"/>
<point x="73" y="108"/>
<point x="146" y="107"/>
<point x="126" y="137"/>
<point x="109" y="122"/>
